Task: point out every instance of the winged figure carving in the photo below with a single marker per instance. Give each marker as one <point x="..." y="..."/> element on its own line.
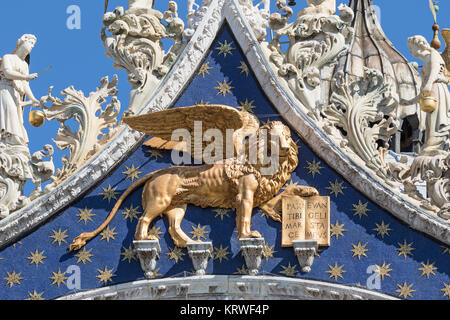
<point x="230" y="183"/>
<point x="446" y="54"/>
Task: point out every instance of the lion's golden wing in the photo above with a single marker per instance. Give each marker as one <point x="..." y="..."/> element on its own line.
<point x="162" y="124"/>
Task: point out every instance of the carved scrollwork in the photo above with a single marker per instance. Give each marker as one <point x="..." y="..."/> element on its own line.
<point x="361" y="116"/>
<point x="135" y="44"/>
<point x="315" y="40"/>
<point x="92" y="121"/>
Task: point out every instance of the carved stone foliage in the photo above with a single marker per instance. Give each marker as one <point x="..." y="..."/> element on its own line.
<point x="257" y="17"/>
<point x="315" y="41"/>
<point x="194" y="17"/>
<point x="435" y="171"/>
<point x="361" y="117"/>
<point x="135" y="45"/>
<point x="96" y="126"/>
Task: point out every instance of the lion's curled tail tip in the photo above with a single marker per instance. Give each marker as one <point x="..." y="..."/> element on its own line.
<point x="77" y="243"/>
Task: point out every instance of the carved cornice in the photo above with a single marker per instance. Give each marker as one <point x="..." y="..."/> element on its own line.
<point x="229" y="287"/>
<point x="124" y="144"/>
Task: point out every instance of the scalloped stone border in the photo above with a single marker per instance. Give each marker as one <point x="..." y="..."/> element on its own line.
<point x="229" y="288"/>
<point x="123" y="145"/>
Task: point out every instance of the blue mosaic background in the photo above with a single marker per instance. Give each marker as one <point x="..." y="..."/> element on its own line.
<point x="21" y="278"/>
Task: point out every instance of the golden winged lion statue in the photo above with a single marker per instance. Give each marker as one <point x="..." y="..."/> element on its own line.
<point x="232" y="183"/>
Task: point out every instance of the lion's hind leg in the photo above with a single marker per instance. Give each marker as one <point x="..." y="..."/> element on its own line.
<point x="151" y="212"/>
<point x="175" y="215"/>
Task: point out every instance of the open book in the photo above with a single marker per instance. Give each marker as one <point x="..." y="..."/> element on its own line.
<point x="306" y="219"/>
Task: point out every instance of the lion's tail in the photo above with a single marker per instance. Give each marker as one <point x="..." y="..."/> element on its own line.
<point x="81" y="240"/>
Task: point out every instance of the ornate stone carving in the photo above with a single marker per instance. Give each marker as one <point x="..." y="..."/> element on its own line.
<point x="361" y="117"/>
<point x="446" y="54"/>
<point x="200" y="253"/>
<point x="253" y="252"/>
<point x="148" y="252"/>
<point x="256" y="17"/>
<point x="135" y="45"/>
<point x="316" y="39"/>
<point x="305" y="250"/>
<point x="16" y="164"/>
<point x="239" y="182"/>
<point x="92" y="121"/>
<point x="195" y="16"/>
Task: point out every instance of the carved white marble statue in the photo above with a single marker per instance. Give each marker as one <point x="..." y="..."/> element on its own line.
<point x="325" y="7"/>
<point x="434" y="83"/>
<point x="14" y="88"/>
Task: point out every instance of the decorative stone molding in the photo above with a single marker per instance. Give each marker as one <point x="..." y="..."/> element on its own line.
<point x="360" y="115"/>
<point x="148" y="252"/>
<point x="195" y="17"/>
<point x="305" y="250"/>
<point x="200" y="253"/>
<point x="229" y="288"/>
<point x="135" y="45"/>
<point x="256" y="17"/>
<point x="125" y="142"/>
<point x="92" y="120"/>
<point x="253" y="252"/>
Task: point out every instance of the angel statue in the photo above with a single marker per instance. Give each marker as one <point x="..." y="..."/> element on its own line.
<point x="230" y="183"/>
<point x="434" y="97"/>
<point x="14" y="88"/>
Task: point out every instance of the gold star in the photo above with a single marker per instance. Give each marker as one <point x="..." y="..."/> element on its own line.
<point x="202" y="103"/>
<point x="383" y="271"/>
<point x="268" y="251"/>
<point x="247" y="106"/>
<point x="446" y="290"/>
<point x="337" y="230"/>
<point x="108" y="234"/>
<point x="244" y="68"/>
<point x="175" y="254"/>
<point x="58" y="278"/>
<point x="335" y="271"/>
<point x="404" y="290"/>
<point x="155" y="232"/>
<point x="263" y="214"/>
<point x="225" y="48"/>
<point x="84" y="255"/>
<point x="313" y="167"/>
<point x="224" y="87"/>
<point x="131" y="213"/>
<point x="289" y="271"/>
<point x="13" y="278"/>
<point x="37" y="257"/>
<point x="17" y="243"/>
<point x="156" y="274"/>
<point x="85" y="215"/>
<point x="241" y="271"/>
<point x="132" y="173"/>
<point x="336" y="188"/>
<point x="154" y="154"/>
<point x="204" y="70"/>
<point x="290" y="184"/>
<point x="105" y="275"/>
<point x="221" y="253"/>
<point x="360" y="209"/>
<point x="199" y="232"/>
<point x="35" y="295"/>
<point x="109" y="193"/>
<point x="128" y="254"/>
<point x="427" y="269"/>
<point x="221" y="213"/>
<point x="59" y="236"/>
<point x="382" y="229"/>
<point x="446" y="250"/>
<point x="359" y="250"/>
<point x="405" y="249"/>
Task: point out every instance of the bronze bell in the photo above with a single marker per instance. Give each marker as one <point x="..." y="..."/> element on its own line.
<point x="292" y="3"/>
<point x="36" y="118"/>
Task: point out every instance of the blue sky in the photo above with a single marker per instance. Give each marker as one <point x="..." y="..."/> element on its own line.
<point x="78" y="58"/>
